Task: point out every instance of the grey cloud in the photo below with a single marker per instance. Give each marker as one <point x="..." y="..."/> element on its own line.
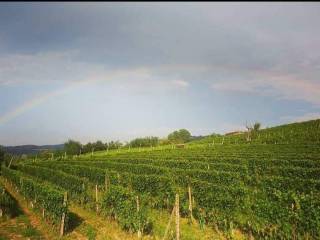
<point x="210" y="42"/>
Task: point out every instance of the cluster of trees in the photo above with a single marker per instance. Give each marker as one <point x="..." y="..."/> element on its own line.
<point x="252" y="130"/>
<point x="144" y="142"/>
<point x="72" y="147"/>
<point x="180" y="136"/>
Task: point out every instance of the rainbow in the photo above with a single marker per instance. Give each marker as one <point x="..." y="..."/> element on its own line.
<point x="35" y="101"/>
<point x="31" y="103"/>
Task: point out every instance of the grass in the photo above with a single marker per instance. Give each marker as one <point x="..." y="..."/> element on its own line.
<point x="187" y="231"/>
<point x="19" y="228"/>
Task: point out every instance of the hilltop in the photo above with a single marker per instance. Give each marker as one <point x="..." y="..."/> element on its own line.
<point x="300" y="132"/>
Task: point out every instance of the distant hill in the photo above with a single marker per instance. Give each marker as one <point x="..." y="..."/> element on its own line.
<point x="31" y="149"/>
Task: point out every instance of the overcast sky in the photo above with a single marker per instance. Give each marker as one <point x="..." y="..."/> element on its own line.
<point x="113" y="71"/>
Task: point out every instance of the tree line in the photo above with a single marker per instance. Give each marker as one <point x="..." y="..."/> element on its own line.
<point x="72" y="147"/>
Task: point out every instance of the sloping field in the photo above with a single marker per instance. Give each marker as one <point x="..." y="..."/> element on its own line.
<point x="268" y="188"/>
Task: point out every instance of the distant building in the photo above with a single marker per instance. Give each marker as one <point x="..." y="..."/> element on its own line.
<point x="233" y="133"/>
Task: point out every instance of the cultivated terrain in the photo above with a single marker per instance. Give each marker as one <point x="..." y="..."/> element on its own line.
<point x="259" y="185"/>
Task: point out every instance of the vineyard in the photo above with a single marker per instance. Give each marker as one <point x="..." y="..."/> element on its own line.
<point x="268" y="188"/>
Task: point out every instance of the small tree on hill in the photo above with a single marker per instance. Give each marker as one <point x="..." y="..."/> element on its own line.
<point x="252" y="130"/>
<point x="72" y="147"/>
<point x="256" y="126"/>
<point x="180" y="136"/>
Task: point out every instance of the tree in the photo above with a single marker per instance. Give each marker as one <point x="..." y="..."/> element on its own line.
<point x="144" y="142"/>
<point x="252" y="130"/>
<point x="87" y="147"/>
<point x="180" y="136"/>
<point x="113" y="145"/>
<point x="256" y="126"/>
<point x="72" y="147"/>
<point x="98" y="146"/>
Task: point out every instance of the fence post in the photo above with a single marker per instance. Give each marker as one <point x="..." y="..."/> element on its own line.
<point x="138" y="210"/>
<point x="106" y="182"/>
<point x="118" y="176"/>
<point x="190" y="203"/>
<point x="168" y="224"/>
<point x="63" y="214"/>
<point x="177" y="218"/>
<point x="10" y="162"/>
<point x="97" y="208"/>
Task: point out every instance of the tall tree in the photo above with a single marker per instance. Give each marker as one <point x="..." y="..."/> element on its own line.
<point x="99" y="146"/>
<point x="180" y="136"/>
<point x="256" y="126"/>
<point x="72" y="147"/>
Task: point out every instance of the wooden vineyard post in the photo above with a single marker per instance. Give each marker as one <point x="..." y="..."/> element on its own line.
<point x="1" y="212"/>
<point x="190" y="203"/>
<point x="138" y="206"/>
<point x="118" y="176"/>
<point x="106" y="182"/>
<point x="63" y="214"/>
<point x="65" y="155"/>
<point x="177" y="217"/>
<point x="97" y="208"/>
<point x="168" y="225"/>
<point x="138" y="210"/>
<point x="10" y="162"/>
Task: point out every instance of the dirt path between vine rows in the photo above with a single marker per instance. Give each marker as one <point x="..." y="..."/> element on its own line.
<point x="106" y="229"/>
<point x="34" y="219"/>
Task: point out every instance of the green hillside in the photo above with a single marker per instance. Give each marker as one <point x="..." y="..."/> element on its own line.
<point x="266" y="188"/>
<point x="303" y="132"/>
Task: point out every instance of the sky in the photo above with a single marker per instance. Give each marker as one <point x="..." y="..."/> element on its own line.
<point x="116" y="71"/>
